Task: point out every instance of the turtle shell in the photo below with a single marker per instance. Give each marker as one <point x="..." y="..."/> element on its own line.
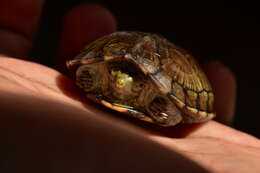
<point x="174" y="71"/>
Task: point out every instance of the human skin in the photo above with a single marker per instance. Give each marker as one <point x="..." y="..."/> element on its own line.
<point x="48" y="126"/>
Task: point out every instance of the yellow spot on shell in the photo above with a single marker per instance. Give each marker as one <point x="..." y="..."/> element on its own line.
<point x="210" y="101"/>
<point x="178" y="102"/>
<point x="192" y="110"/>
<point x="203" y="114"/>
<point x="203" y="101"/>
<point x="107" y="58"/>
<point x="191" y="98"/>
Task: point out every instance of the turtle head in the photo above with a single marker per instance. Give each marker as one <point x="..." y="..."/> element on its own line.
<point x="122" y="80"/>
<point x="126" y="81"/>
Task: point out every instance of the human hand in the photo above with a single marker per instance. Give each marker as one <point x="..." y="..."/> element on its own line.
<point x="47" y="126"/>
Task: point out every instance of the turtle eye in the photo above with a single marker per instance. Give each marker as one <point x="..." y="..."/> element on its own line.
<point x="141" y="85"/>
<point x="138" y="86"/>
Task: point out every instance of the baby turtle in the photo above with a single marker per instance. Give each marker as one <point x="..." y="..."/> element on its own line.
<point x="145" y="76"/>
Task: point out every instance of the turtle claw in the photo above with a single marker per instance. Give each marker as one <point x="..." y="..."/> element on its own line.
<point x="164" y="112"/>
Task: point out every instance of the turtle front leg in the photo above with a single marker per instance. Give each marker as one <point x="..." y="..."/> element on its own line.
<point x="126" y="110"/>
<point x="89" y="77"/>
<point x="164" y="112"/>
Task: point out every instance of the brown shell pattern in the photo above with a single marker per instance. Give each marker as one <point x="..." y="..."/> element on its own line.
<point x="175" y="72"/>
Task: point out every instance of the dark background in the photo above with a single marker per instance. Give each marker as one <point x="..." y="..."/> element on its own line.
<point x="213" y="31"/>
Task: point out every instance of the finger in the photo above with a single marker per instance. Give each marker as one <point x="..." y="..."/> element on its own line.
<point x="224" y="86"/>
<point x="18" y="23"/>
<point x="82" y="25"/>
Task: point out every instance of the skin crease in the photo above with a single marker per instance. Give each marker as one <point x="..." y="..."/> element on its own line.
<point x="47" y="126"/>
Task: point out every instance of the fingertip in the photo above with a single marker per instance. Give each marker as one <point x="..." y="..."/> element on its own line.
<point x="217" y="68"/>
<point x="92" y="18"/>
<point x="223" y="82"/>
<point x="18" y="24"/>
<point x="83" y="24"/>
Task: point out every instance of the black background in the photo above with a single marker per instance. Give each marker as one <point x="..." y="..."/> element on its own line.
<point x="211" y="31"/>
